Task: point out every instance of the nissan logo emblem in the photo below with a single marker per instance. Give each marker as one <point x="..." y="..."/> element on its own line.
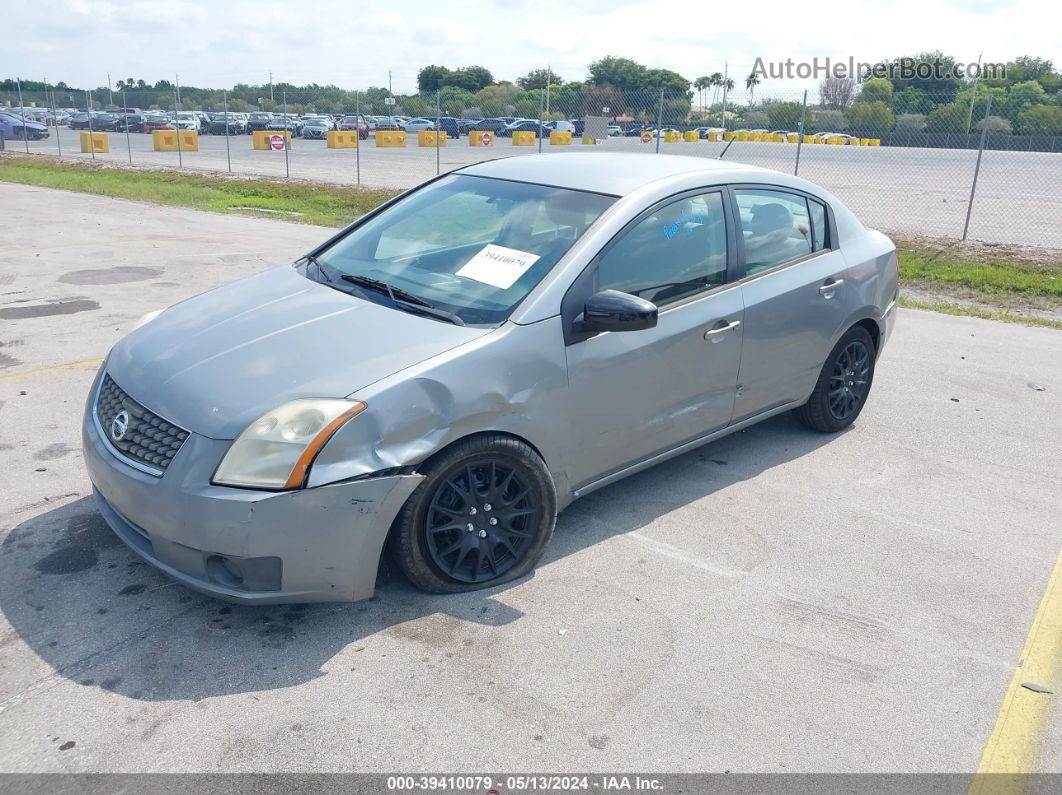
<point x="120" y="425"/>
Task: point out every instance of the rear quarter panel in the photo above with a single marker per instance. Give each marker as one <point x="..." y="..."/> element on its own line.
<point x="871" y="271"/>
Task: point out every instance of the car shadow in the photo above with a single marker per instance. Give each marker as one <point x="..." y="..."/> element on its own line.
<point x="98" y="616"/>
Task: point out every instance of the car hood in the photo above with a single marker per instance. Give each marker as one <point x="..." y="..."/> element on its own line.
<point x="216" y="362"/>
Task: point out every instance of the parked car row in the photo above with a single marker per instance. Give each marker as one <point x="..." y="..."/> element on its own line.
<point x="17" y="128"/>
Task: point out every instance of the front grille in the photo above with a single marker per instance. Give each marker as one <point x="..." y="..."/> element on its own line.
<point x="147" y="438"/>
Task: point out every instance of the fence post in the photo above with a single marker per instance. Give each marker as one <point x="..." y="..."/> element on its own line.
<point x="125" y="121"/>
<point x="228" y="154"/>
<point x="88" y="112"/>
<point x="287" y="136"/>
<point x="357" y="132"/>
<point x="177" y="123"/>
<point x="977" y="167"/>
<point x="55" y="117"/>
<point x="22" y="113"/>
<point x="659" y="120"/>
<point x="541" y="102"/>
<point x="800" y="133"/>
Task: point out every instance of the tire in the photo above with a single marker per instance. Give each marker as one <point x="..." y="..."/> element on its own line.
<point x="843" y="385"/>
<point x="430" y="540"/>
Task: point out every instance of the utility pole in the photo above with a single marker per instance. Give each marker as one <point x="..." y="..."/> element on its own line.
<point x="549" y="76"/>
<point x="390" y="93"/>
<point x="973" y="93"/>
<point x="271" y="87"/>
<point x="178" y="94"/>
<point x="726" y="87"/>
<point x="110" y="94"/>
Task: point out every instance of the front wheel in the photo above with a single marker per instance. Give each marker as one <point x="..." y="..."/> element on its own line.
<point x="482" y="516"/>
<point x="843" y="386"/>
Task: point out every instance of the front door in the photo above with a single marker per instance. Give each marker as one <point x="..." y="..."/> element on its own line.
<point x="637" y="393"/>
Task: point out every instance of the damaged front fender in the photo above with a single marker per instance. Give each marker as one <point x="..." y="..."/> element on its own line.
<point x="513" y="381"/>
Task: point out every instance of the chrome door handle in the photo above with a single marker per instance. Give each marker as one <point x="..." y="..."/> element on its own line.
<point x="827" y="290"/>
<point x="715" y="332"/>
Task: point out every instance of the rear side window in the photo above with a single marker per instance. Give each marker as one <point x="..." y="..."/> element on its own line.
<point x="675" y="252"/>
<point x="820" y="237"/>
<point x="775" y="227"/>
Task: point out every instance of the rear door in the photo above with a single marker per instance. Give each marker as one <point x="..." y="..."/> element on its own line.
<point x="794" y="292"/>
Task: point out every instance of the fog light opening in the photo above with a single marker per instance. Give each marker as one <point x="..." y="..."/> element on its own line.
<point x="224" y="571"/>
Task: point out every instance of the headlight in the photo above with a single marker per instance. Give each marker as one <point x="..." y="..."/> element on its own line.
<point x="276" y="450"/>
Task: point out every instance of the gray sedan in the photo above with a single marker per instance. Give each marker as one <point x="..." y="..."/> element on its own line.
<point x="317" y="127"/>
<point x="444" y="375"/>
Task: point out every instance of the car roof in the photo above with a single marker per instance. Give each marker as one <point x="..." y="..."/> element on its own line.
<point x="613" y="173"/>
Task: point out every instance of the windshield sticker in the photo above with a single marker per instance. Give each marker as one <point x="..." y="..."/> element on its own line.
<point x="498" y="266"/>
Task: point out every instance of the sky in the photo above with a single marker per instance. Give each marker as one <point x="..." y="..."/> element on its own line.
<point x="218" y="43"/>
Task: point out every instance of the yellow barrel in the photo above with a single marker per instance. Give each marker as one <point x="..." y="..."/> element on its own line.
<point x="481" y="138"/>
<point x="589" y="140"/>
<point x="777" y="138"/>
<point x="262" y="139"/>
<point x="164" y="140"/>
<point x="691" y="135"/>
<point x="95" y="142"/>
<point x="341" y="139"/>
<point x="873" y="142"/>
<point x="391" y="138"/>
<point x="523" y="138"/>
<point x="560" y="138"/>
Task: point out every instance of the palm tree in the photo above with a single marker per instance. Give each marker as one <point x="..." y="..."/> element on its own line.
<point x="700" y="84"/>
<point x="751" y="82"/>
<point x="716" y="81"/>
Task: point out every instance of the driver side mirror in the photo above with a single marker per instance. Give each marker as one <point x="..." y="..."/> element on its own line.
<point x="611" y="310"/>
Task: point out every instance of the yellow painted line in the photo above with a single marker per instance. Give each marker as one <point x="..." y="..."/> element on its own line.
<point x="55" y="368"/>
<point x="1022" y="716"/>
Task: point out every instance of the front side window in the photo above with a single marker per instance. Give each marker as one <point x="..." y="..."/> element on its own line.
<point x="471" y="246"/>
<point x="775" y="227"/>
<point x="673" y="253"/>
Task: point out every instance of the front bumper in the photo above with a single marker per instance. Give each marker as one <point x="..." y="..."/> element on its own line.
<point x="255" y="547"/>
<point x="888" y="320"/>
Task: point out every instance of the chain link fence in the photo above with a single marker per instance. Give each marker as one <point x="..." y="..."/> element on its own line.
<point x="929" y="166"/>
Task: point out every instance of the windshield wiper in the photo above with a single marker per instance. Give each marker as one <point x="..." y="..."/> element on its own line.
<point x="402" y="299"/>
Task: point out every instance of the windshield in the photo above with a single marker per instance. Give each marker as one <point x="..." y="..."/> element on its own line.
<point x="471" y="246"/>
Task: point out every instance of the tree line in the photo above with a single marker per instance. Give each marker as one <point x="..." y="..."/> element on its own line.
<point x="1026" y="100"/>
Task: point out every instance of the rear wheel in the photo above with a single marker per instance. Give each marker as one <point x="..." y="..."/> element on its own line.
<point x="843" y="386"/>
<point x="482" y="516"/>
